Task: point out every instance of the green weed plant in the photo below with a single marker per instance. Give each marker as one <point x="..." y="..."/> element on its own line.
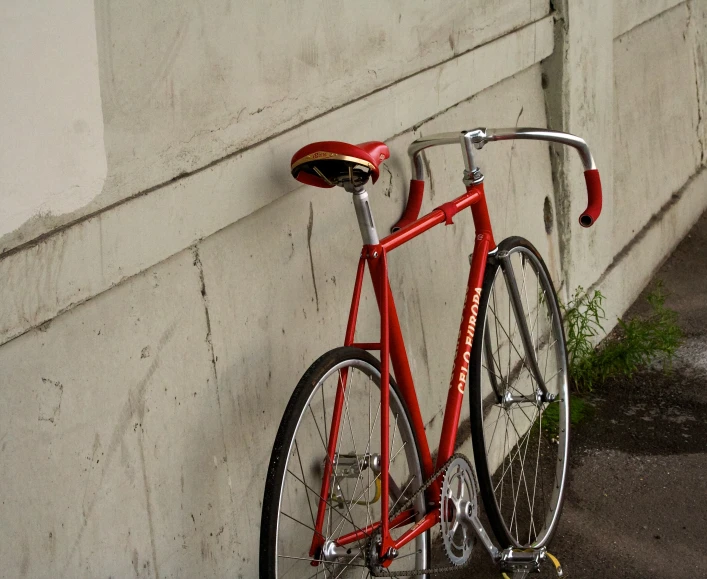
<point x="633" y="345"/>
<point x="583" y="316"/>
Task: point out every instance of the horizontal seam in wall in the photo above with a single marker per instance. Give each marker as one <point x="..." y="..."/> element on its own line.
<point x="655" y="219"/>
<point x="625" y="32"/>
<point x="43" y="237"/>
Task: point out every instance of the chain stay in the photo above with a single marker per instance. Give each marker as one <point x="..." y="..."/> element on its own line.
<point x="377" y="571"/>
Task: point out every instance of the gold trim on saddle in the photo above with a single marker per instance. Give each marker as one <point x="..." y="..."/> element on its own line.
<point x="326" y="156"/>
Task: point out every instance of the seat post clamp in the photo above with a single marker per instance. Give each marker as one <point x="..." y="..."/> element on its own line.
<point x="472" y="177"/>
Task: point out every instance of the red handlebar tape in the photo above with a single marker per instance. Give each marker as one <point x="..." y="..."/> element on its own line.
<point x="591" y="213"/>
<point x="412" y="210"/>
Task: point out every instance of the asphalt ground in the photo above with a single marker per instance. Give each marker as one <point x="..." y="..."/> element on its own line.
<point x="637" y="501"/>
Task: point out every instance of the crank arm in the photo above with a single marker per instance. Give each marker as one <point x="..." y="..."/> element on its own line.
<point x="475" y="523"/>
<point x="519" y="562"/>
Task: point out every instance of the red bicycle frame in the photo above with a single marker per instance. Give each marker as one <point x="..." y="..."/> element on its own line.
<point x="392" y="348"/>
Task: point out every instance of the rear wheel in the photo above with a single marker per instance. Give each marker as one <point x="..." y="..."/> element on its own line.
<point x="520" y="437"/>
<point x="352" y="501"/>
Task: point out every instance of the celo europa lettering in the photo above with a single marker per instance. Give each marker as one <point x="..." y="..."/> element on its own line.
<point x="468" y="341"/>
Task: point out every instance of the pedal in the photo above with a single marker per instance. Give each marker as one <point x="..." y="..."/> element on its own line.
<point x="521" y="562"/>
<point x="351" y="466"/>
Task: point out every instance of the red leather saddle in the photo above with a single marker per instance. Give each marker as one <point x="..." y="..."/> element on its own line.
<point x="332" y="163"/>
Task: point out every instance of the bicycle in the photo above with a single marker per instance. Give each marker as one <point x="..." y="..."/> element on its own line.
<point x="351" y="488"/>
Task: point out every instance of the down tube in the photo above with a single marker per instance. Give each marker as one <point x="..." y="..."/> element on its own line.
<point x="463" y="353"/>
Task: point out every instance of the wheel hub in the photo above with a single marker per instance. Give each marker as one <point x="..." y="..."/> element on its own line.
<point x="537" y="399"/>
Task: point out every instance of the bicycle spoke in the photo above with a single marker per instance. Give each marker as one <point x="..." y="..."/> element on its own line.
<point x="319" y="431"/>
<point x="392" y="442"/>
<point x="298" y="521"/>
<point x="518" y="443"/>
<point x="353" y="442"/>
<point x="304" y="478"/>
<point x="347" y="566"/>
<point x="377" y="476"/>
<point x="402" y="494"/>
<point x="522" y="475"/>
<point x="516" y="350"/>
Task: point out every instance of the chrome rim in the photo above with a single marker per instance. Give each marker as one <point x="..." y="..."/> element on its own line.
<point x="525" y="434"/>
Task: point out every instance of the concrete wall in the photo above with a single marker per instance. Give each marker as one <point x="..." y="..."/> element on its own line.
<point x="158" y="306"/>
<point x="53" y="159"/>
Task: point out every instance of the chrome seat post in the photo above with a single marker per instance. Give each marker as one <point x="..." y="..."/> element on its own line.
<point x="369" y="234"/>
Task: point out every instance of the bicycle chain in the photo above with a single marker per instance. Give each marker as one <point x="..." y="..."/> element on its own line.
<point x="377" y="571"/>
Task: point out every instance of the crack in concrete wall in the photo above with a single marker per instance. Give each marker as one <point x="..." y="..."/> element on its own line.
<point x="554" y="84"/>
<point x="699" y="66"/>
<point x="310" y="225"/>
<point x="202" y="282"/>
<point x="214" y="358"/>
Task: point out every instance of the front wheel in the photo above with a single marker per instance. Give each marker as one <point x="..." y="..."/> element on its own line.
<point x="520" y="435"/>
<point x="351" y="502"/>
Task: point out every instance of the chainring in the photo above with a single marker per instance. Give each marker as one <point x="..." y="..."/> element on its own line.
<point x="458" y="505"/>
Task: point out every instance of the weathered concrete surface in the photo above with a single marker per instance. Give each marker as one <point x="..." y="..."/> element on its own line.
<point x="184" y="85"/>
<point x="109" y="387"/>
<point x="640" y="258"/>
<point x="249" y="308"/>
<point x="112" y="459"/>
<point x="631" y="13"/>
<point x="76" y="263"/>
<point x="52" y="159"/>
<point x="580" y="96"/>
<point x="640" y="150"/>
<point x="698" y="21"/>
<point x="656" y="140"/>
<point x="189" y="89"/>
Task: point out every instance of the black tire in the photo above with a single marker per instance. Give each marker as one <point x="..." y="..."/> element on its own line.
<point x="507" y="432"/>
<point x="285" y="539"/>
